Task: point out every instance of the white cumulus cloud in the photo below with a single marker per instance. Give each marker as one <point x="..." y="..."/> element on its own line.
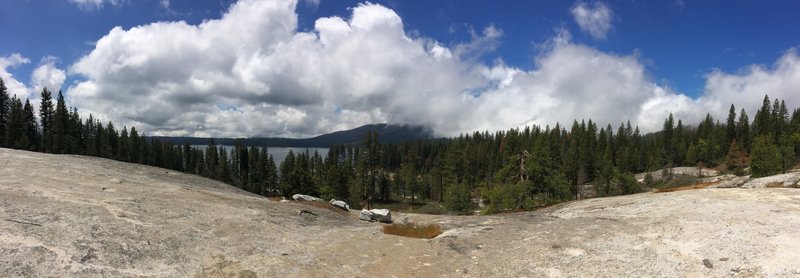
<point x="747" y="87"/>
<point x="570" y="82"/>
<point x="252" y="73"/>
<point x="593" y="18"/>
<point x="172" y="77"/>
<point x="13" y="86"/>
<point x="47" y="75"/>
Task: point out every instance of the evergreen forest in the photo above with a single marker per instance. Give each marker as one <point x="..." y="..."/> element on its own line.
<point x="511" y="170"/>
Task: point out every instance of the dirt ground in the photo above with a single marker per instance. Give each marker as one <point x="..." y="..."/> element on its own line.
<point x="74" y="216"/>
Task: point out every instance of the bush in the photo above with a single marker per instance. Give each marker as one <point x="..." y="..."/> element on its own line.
<point x="505" y="197"/>
<point x="431" y="208"/>
<point x="676" y="181"/>
<point x="648" y="179"/>
<point x="458" y="198"/>
<point x="765" y="158"/>
<point x="628" y="184"/>
<point x="558" y="188"/>
<point x="736" y="161"/>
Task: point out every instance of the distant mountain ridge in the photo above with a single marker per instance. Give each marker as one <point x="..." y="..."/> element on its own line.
<point x="387" y="133"/>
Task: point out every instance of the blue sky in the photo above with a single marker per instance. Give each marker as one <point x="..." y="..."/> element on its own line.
<point x="681" y="49"/>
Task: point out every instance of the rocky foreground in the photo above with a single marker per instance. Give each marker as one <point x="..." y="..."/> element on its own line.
<point x="63" y="215"/>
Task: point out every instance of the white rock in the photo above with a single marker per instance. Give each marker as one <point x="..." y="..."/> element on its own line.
<point x="365" y="215"/>
<point x="382" y="215"/>
<point x="785" y="180"/>
<point x="340" y="204"/>
<point x="301" y="197"/>
<point x="678" y="171"/>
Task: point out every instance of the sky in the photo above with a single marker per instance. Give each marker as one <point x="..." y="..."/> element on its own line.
<point x="264" y="68"/>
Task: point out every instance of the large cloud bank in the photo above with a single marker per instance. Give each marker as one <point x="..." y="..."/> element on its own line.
<point x="252" y="73"/>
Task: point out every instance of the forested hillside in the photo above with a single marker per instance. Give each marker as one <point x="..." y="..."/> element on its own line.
<point x="513" y="169"/>
<point x="387" y="134"/>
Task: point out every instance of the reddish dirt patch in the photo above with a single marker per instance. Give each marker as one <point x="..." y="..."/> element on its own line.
<point x="687" y="187"/>
<point x="781" y="185"/>
<point x="413" y="230"/>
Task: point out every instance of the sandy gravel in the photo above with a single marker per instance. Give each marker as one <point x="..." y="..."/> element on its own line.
<point x="73" y="216"/>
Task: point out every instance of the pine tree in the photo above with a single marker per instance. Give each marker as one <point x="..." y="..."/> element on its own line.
<point x="301" y="175"/>
<point x="794" y="129"/>
<point x="637" y="155"/>
<point x="134" y="146"/>
<point x="243" y="167"/>
<point x="763" y="119"/>
<point x="706" y="128"/>
<point x="368" y="167"/>
<point x="124" y="145"/>
<point x="256" y="163"/>
<point x="794" y="123"/>
<point x="338" y="173"/>
<point x="60" y="121"/>
<point x="109" y="143"/>
<point x="271" y="176"/>
<point x="15" y="128"/>
<point x="668" y="135"/>
<point x="211" y="159"/>
<point x="743" y="130"/>
<point x="451" y="168"/>
<point x="286" y="170"/>
<point x="730" y="127"/>
<point x="408" y="174"/>
<point x="605" y="165"/>
<point x="74" y="138"/>
<point x="223" y="171"/>
<point x="680" y="142"/>
<point x="786" y="150"/>
<point x="31" y="127"/>
<point x="781" y="120"/>
<point x="4" y="111"/>
<point x="46" y="114"/>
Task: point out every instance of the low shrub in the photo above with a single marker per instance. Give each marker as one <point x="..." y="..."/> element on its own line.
<point x="431" y="208"/>
<point x="458" y="198"/>
<point x="686" y="187"/>
<point x="506" y="197"/>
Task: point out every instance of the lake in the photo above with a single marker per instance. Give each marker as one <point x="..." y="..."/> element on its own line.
<point x="278" y="154"/>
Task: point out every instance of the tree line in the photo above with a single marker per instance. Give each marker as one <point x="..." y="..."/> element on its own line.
<point x="511" y="170"/>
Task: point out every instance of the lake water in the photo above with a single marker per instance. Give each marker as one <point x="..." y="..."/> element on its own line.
<point x="278" y="154"/>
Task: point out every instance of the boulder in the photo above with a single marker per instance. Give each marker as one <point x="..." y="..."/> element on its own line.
<point x="382" y="215"/>
<point x="340" y="204"/>
<point x="303" y="198"/>
<point x="659" y="175"/>
<point x="365" y="215"/>
<point x="780" y="180"/>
